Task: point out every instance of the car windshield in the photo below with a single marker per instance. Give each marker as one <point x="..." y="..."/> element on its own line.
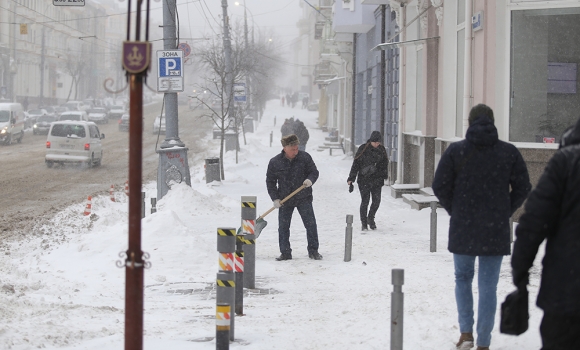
<point x="64" y="130"/>
<point x="97" y="110"/>
<point x="35" y="111"/>
<point x="70" y="117"/>
<point x="4" y="116"/>
<point x="48" y="109"/>
<point x="72" y="106"/>
<point x="118" y="107"/>
<point x="46" y="118"/>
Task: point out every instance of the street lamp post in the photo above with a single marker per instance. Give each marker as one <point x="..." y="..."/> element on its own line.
<point x="248" y="82"/>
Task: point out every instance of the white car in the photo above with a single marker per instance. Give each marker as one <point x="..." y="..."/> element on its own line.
<point x="74" y="142"/>
<point x="159" y="124"/>
<point x="117" y="112"/>
<point x="98" y="115"/>
<point x="76" y="105"/>
<point x="74" y="115"/>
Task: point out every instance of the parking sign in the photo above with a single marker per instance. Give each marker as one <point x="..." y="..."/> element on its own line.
<point x="170" y="70"/>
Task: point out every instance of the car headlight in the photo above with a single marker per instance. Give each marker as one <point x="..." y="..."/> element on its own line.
<point x="35" y="126"/>
<point x="4" y="130"/>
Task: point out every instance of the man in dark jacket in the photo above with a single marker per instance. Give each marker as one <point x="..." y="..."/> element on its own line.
<point x="302" y="133"/>
<point x="288" y="127"/>
<point x="286" y="172"/>
<point x="371" y="164"/>
<point x="552" y="213"/>
<point x="472" y="182"/>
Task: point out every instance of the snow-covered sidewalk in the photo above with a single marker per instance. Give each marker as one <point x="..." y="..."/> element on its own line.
<point x="61" y="288"/>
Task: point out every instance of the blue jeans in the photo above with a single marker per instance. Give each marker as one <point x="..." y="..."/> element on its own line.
<point x="487" y="279"/>
<point x="285" y="218"/>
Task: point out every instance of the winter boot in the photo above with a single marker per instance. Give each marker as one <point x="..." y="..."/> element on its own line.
<point x="465" y="341"/>
<point x="483" y="348"/>
<point x="284" y="256"/>
<point x="372" y="224"/>
<point x="365" y="227"/>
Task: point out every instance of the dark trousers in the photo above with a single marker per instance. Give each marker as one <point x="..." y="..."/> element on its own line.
<point x="285" y="218"/>
<point x="560" y="332"/>
<point x="366" y="192"/>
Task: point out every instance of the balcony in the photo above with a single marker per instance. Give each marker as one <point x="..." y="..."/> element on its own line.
<point x="351" y="16"/>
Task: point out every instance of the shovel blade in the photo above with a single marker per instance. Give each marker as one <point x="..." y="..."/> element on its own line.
<point x="260" y="224"/>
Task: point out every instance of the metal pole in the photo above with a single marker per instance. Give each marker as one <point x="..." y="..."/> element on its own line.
<point x="228" y="61"/>
<point x="353" y="99"/>
<point x="397" y="303"/>
<point x="348" y="238"/>
<point x="433" y="229"/>
<point x="239" y="272"/>
<point x="225" y="291"/>
<point x="153" y="205"/>
<point x="222" y="326"/>
<point x="271" y="136"/>
<point x="143" y="205"/>
<point x="249" y="204"/>
<point x="41" y="102"/>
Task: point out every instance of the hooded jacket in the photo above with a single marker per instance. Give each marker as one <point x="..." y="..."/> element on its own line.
<point x="286" y="175"/>
<point x="370" y="164"/>
<point x="472" y="182"/>
<point x="552" y="213"/>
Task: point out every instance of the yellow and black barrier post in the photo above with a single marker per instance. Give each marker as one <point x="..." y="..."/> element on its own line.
<point x="222" y="326"/>
<point x="225" y="291"/>
<point x="249" y="204"/>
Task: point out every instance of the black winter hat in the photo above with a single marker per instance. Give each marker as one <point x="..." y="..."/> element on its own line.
<point x="290" y="140"/>
<point x="375" y="136"/>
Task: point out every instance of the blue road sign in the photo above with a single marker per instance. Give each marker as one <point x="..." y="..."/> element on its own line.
<point x="240" y="92"/>
<point x="170" y="70"/>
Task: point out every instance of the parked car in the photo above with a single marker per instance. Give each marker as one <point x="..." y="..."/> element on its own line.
<point x="313" y="106"/>
<point x="76" y="105"/>
<point x="98" y="115"/>
<point x="42" y="124"/>
<point x="32" y="115"/>
<point x="124" y="122"/>
<point x="74" y="115"/>
<point x="49" y="110"/>
<point x="159" y="125"/>
<point x="74" y="142"/>
<point x="60" y="110"/>
<point x="117" y="111"/>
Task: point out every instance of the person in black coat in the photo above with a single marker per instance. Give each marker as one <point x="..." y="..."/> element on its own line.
<point x="552" y="213"/>
<point x="288" y="127"/>
<point x="286" y="172"/>
<point x="370" y="164"/>
<point x="473" y="182"/>
<point x="302" y="133"/>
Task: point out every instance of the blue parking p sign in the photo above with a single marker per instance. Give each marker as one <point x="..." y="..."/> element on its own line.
<point x="170" y="71"/>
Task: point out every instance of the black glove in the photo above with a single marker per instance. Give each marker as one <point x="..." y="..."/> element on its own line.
<point x="520" y="278"/>
<point x="350" y="188"/>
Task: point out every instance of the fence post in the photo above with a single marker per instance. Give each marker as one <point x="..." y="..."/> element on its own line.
<point x="225" y="291"/>
<point x="248" y="227"/>
<point x="348" y="238"/>
<point x="153" y="205"/>
<point x="397" y="303"/>
<point x="271" y="137"/>
<point x="222" y="326"/>
<point x="433" y="230"/>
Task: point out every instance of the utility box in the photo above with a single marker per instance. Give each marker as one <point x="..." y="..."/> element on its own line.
<point x="231" y="140"/>
<point x="249" y="124"/>
<point x="212" y="169"/>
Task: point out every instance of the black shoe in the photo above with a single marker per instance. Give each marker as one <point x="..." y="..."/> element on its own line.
<point x="283" y="257"/>
<point x="372" y="224"/>
<point x="365" y="227"/>
<point x="315" y="256"/>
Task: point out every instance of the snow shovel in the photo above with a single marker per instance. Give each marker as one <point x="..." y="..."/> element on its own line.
<point x="261" y="223"/>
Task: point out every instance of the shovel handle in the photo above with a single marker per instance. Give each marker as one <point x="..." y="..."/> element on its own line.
<point x="283" y="201"/>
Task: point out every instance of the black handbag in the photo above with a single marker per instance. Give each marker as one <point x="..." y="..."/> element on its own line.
<point x="514" y="313"/>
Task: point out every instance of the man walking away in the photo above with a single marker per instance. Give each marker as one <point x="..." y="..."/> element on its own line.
<point x="371" y="164"/>
<point x="473" y="182"/>
<point x="287" y="128"/>
<point x="552" y="213"/>
<point x="286" y="172"/>
<point x="302" y="133"/>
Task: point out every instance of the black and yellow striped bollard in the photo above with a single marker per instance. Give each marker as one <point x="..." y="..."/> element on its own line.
<point x="249" y="204"/>
<point x="222" y="326"/>
<point x="225" y="291"/>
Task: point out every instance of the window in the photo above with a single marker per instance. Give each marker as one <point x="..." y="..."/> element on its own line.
<point x="544" y="96"/>
<point x="4" y="116"/>
<point x="94" y="132"/>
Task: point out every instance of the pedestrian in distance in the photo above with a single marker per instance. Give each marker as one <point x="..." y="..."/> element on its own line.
<point x="282" y="100"/>
<point x="286" y="172"/>
<point x="552" y="213"/>
<point x="472" y="182"/>
<point x="302" y="133"/>
<point x="370" y="165"/>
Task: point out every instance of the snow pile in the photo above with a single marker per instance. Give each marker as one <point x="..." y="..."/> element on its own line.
<point x="63" y="289"/>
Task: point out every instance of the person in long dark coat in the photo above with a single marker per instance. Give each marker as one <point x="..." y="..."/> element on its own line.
<point x="287" y="171"/>
<point x="552" y="213"/>
<point x="370" y="165"/>
<point x="302" y="133"/>
<point x="473" y="182"/>
<point x="288" y="127"/>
